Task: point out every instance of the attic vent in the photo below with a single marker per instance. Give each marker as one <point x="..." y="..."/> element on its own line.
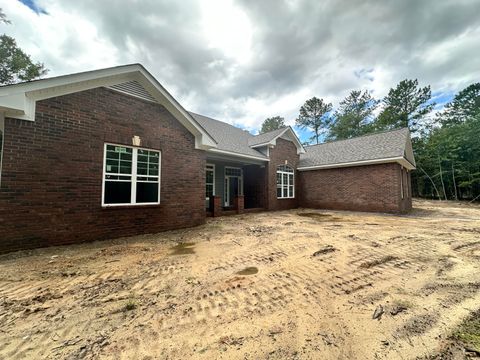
<point x="135" y="89"/>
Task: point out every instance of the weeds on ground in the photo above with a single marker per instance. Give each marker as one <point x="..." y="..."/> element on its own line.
<point x="469" y="332"/>
<point x="130" y="304"/>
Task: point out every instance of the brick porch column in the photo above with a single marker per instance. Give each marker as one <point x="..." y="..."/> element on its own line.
<point x="239" y="204"/>
<point x="216" y="205"/>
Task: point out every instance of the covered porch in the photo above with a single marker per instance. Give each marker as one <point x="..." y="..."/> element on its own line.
<point x="234" y="186"/>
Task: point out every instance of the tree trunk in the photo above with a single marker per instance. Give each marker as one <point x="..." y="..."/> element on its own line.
<point x="454" y="183"/>
<point x="429" y="178"/>
<point x="441" y="178"/>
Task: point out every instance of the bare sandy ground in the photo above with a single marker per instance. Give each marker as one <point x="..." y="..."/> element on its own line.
<point x="294" y="284"/>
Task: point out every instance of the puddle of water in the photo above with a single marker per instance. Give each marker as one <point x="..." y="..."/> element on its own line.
<point x="183" y="249"/>
<point x="248" y="271"/>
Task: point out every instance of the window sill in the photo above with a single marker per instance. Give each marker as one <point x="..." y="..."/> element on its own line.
<point x="130" y="206"/>
<point x="286" y="198"/>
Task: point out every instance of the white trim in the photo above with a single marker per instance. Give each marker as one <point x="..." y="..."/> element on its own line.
<point x="213" y="184"/>
<point x="401" y="160"/>
<point x="295" y="140"/>
<point x="2" y="131"/>
<point x="133" y="175"/>
<point x="282" y="185"/>
<point x="19" y="100"/>
<point x="218" y="151"/>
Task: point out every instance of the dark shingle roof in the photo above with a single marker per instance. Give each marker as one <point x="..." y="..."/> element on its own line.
<point x="265" y="137"/>
<point x="228" y="137"/>
<point x="382" y="145"/>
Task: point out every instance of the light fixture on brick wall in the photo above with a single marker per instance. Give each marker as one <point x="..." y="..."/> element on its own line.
<point x="136" y="140"/>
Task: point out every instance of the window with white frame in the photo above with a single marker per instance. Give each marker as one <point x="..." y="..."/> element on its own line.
<point x="285" y="182"/>
<point x="209" y="181"/>
<point x="131" y="176"/>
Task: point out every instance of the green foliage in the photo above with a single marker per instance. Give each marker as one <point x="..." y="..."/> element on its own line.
<point x="272" y="123"/>
<point x="450" y="155"/>
<point x="314" y="115"/>
<point x="465" y="104"/>
<point x="354" y="116"/>
<point x="469" y="332"/>
<point x="15" y="65"/>
<point x="3" y="17"/>
<point x="405" y="106"/>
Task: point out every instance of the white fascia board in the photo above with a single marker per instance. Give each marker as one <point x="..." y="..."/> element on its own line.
<point x="401" y="160"/>
<point x="203" y="140"/>
<point x="13" y="103"/>
<point x="46" y="88"/>
<point x="300" y="149"/>
<point x="271" y="142"/>
<point x="224" y="152"/>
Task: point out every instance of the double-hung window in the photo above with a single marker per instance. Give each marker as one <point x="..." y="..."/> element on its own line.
<point x="131" y="176"/>
<point x="209" y="182"/>
<point x="285" y="182"/>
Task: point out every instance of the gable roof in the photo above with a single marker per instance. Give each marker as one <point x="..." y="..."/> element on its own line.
<point x="19" y="100"/>
<point x="265" y="138"/>
<point x="228" y="137"/>
<point x="383" y="147"/>
<point x="270" y="138"/>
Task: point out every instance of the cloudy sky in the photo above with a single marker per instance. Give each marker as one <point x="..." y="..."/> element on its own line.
<point x="244" y="60"/>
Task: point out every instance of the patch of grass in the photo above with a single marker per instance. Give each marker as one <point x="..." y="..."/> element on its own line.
<point x="248" y="271"/>
<point x="469" y="332"/>
<point x="403" y="303"/>
<point x="376" y="262"/>
<point x="130" y="304"/>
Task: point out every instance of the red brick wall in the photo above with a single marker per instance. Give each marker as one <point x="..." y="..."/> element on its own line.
<point x="284" y="151"/>
<point x="360" y="188"/>
<point x="51" y="181"/>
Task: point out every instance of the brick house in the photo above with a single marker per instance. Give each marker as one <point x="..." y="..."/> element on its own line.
<point x="110" y="153"/>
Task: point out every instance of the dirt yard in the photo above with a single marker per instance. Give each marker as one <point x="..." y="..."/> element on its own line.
<point x="303" y="284"/>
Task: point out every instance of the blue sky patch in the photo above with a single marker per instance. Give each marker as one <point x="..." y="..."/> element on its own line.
<point x="33" y="6"/>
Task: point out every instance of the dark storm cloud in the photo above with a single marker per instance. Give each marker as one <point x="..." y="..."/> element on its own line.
<point x="298" y="48"/>
<point x="296" y="41"/>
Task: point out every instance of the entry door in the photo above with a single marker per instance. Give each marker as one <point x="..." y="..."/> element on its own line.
<point x="232" y="185"/>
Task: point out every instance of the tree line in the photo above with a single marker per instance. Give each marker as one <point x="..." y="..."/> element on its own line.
<point x="446" y="143"/>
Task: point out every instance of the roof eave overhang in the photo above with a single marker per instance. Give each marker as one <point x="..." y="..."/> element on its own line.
<point x="238" y="155"/>
<point x="19" y="100"/>
<point x="400" y="160"/>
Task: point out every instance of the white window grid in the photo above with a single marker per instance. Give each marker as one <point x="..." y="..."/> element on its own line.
<point x="132" y="177"/>
<point x="210" y="168"/>
<point x="285" y="182"/>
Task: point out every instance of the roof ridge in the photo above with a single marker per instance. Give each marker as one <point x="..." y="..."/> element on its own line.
<point x="271" y="131"/>
<point x="223" y="122"/>
<point x="358" y="137"/>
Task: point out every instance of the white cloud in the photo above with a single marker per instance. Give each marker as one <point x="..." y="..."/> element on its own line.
<point x="242" y="61"/>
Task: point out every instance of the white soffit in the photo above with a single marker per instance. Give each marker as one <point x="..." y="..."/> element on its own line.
<point x="18" y="100"/>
